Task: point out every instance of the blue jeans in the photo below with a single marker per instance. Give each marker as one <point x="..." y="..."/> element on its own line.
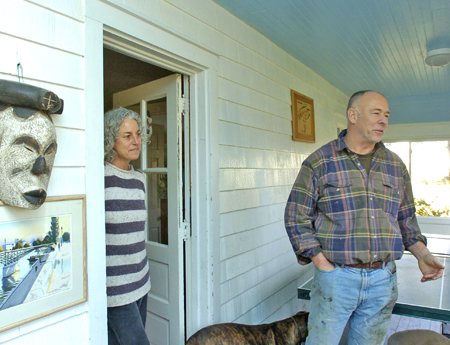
<point x="126" y="324"/>
<point x="363" y="297"/>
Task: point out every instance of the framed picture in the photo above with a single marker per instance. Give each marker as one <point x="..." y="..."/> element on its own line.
<point x="302" y="118"/>
<point x="42" y="259"/>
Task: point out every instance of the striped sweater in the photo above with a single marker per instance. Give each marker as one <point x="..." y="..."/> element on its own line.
<point x="127" y="272"/>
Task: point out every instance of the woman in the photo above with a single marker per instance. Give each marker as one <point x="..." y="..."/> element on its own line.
<point x="128" y="280"/>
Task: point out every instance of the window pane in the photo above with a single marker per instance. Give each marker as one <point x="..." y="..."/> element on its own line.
<point x="402" y="149"/>
<point x="157" y="208"/>
<point x="430" y="166"/>
<point x="157" y="148"/>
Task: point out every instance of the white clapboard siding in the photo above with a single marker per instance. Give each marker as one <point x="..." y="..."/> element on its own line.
<point x="272" y="303"/>
<point x="244" y="262"/>
<point x="236" y="113"/>
<point x="239" y="94"/>
<point x="239" y="157"/>
<point x="70" y="148"/>
<point x="70" y="8"/>
<point x="247" y="307"/>
<point x="67" y="181"/>
<point x="249" y="240"/>
<point x="40" y="26"/>
<point x="203" y="11"/>
<point x="232" y="134"/>
<point x="238" y="285"/>
<point x="235" y="179"/>
<point x="47" y="38"/>
<point x="291" y="307"/>
<point x="242" y="220"/>
<point x="253" y="79"/>
<point x="41" y="62"/>
<point x="244" y="199"/>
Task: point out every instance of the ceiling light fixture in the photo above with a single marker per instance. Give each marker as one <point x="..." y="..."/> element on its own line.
<point x="438" y="57"/>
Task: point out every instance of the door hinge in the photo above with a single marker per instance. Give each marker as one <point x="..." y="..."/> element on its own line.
<point x="186" y="230"/>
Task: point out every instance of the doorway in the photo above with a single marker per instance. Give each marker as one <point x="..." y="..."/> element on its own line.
<point x="157" y="94"/>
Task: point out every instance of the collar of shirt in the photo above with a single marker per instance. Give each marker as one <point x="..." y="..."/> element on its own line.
<point x="341" y="144"/>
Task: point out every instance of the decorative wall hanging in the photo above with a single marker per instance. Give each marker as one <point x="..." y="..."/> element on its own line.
<point x="302" y="118"/>
<point x="27" y="142"/>
<point x="42" y="259"/>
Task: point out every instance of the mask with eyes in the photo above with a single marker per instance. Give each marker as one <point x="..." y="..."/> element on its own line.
<point x="27" y="143"/>
<point x="27" y="152"/>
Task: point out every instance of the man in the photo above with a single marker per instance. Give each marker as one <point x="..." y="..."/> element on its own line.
<point x="351" y="212"/>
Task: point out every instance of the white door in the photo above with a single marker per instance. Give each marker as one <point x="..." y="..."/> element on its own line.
<point x="163" y="163"/>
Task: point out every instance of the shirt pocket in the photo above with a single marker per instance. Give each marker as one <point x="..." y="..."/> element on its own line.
<point x="336" y="201"/>
<point x="389" y="195"/>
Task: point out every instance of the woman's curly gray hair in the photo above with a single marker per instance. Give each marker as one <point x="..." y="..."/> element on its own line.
<point x="113" y="121"/>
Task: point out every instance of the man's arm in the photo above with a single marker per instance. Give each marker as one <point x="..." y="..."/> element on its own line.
<point x="300" y="215"/>
<point x="429" y="265"/>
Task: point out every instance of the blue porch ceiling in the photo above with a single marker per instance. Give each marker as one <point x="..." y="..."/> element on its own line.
<point x="364" y="44"/>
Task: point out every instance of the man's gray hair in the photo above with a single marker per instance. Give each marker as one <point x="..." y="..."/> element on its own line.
<point x="113" y="121"/>
<point x="356" y="96"/>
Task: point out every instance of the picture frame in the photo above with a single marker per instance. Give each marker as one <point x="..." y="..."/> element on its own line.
<point x="303" y="128"/>
<point x="48" y="274"/>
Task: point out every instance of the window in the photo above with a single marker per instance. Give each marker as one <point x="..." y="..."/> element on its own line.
<point x="428" y="163"/>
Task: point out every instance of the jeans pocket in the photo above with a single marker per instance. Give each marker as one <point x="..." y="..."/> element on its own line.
<point x="391" y="268"/>
<point x="336" y="267"/>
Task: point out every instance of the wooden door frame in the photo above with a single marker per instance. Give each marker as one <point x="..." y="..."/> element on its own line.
<point x="105" y="25"/>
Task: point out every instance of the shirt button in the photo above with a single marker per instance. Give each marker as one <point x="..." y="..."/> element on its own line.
<point x="373" y="217"/>
<point x="370" y="199"/>
<point x="337" y="189"/>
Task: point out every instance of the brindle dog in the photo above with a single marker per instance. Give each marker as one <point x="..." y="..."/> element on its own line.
<point x="290" y="331"/>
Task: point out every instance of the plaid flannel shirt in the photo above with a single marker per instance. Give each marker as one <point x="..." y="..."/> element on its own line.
<point x="350" y="216"/>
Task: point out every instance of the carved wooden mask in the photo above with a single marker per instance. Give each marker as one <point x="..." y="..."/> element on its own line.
<point x="27" y="153"/>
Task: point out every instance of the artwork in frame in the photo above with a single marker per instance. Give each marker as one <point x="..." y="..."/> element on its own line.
<point x="303" y="128"/>
<point x="42" y="259"/>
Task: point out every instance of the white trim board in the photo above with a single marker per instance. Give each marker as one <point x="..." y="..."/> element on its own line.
<point x="418" y="131"/>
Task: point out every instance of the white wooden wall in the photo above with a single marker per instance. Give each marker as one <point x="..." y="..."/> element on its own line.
<point x="47" y="38"/>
